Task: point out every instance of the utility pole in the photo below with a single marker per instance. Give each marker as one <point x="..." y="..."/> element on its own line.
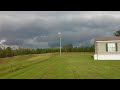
<point x="59" y="33"/>
<point x="60" y="46"/>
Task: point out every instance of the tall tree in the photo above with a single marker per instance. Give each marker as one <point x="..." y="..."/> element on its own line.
<point x="117" y="33"/>
<point x="9" y="52"/>
<point x="68" y="47"/>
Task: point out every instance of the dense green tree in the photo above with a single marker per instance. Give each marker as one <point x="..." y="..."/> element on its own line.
<point x="117" y="33"/>
<point x="8" y="52"/>
<point x="68" y="47"/>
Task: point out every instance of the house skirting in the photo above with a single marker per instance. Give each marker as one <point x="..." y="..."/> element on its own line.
<point x="107" y="57"/>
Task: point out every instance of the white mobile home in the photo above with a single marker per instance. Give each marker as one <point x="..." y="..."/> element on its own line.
<point x="107" y="48"/>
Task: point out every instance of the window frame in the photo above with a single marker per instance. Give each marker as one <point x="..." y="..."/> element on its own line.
<point x="113" y="48"/>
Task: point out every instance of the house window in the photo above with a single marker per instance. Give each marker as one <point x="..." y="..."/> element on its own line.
<point x="111" y="47"/>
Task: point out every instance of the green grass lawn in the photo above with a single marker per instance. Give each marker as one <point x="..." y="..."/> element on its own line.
<point x="52" y="66"/>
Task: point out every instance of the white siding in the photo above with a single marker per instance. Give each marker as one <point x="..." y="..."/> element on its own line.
<point x="107" y="57"/>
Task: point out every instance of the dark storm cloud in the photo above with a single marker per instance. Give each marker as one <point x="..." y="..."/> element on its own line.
<point x="39" y="29"/>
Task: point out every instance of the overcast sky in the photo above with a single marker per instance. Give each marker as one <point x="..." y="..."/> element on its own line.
<point x="39" y="29"/>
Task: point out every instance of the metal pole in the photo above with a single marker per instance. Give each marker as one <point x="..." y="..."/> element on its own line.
<point x="60" y="46"/>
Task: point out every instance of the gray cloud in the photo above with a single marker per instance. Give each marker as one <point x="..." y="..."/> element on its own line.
<point x="39" y="29"/>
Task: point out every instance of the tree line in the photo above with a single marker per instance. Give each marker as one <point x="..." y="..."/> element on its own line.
<point x="8" y="52"/>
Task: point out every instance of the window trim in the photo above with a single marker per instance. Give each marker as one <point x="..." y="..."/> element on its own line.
<point x="107" y="48"/>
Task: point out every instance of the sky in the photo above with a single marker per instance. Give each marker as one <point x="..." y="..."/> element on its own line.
<point x="39" y="29"/>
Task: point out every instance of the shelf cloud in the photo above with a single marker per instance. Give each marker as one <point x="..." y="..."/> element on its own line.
<point x="39" y="29"/>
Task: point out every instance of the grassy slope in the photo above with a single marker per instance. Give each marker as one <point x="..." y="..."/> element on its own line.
<point x="70" y="65"/>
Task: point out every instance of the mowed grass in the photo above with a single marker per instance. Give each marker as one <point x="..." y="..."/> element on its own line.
<point x="52" y="66"/>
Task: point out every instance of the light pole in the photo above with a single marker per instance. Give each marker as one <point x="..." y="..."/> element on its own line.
<point x="59" y="33"/>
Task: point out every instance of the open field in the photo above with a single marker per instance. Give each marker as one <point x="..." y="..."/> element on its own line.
<point x="52" y="66"/>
